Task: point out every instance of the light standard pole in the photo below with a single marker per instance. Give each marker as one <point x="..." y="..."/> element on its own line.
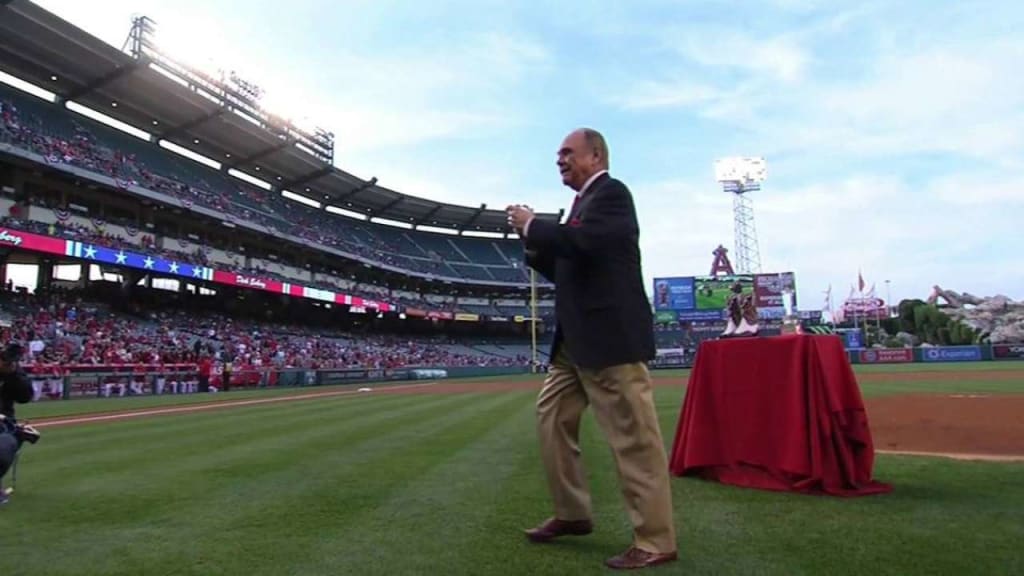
<point x="888" y="298"/>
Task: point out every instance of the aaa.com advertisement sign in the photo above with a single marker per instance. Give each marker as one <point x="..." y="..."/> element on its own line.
<point x="951" y="354"/>
<point x="886" y="355"/>
<point x="1008" y="351"/>
<point x="769" y="288"/>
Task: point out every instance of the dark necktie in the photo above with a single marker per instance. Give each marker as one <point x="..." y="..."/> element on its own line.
<point x="575" y="203"/>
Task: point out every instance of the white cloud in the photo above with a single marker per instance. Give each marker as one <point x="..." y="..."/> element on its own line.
<point x="869" y="95"/>
<point x="905" y="95"/>
<point x="779" y="58"/>
<point x="681" y="222"/>
<point x="952" y="226"/>
<point x="998" y="192"/>
<point x="374" y="97"/>
<point x="466" y="184"/>
<point x="661" y="94"/>
<point x="363" y="128"/>
<point x="957" y="100"/>
<point x="381" y="101"/>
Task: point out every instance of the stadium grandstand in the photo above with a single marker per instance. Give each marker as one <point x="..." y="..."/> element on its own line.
<point x="168" y="201"/>
<point x="167" y="217"/>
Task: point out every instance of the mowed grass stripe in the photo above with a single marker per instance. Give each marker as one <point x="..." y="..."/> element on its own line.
<point x="92" y="404"/>
<point x="199" y="461"/>
<point x="937" y="506"/>
<point x="158" y="503"/>
<point x="944" y="518"/>
<point x="241" y="511"/>
<point x="186" y="453"/>
<point x="91" y="447"/>
<point x="252" y="505"/>
<point x="523" y="501"/>
<point x="344" y="487"/>
<point x="430" y="523"/>
<point x="83" y="406"/>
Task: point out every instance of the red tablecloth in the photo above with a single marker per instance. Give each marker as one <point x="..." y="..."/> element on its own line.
<point x="777" y="413"/>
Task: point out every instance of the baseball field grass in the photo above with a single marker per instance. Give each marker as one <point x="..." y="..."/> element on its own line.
<point x="416" y="481"/>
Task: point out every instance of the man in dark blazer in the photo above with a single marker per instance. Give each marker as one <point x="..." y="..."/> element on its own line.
<point x="603" y="339"/>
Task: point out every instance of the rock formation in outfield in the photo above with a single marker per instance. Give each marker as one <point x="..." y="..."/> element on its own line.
<point x="996" y="319"/>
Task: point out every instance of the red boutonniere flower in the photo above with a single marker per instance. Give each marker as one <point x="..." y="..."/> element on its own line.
<point x="575" y="223"/>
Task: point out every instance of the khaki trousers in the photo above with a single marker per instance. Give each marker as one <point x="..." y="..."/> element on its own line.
<point x="623" y="402"/>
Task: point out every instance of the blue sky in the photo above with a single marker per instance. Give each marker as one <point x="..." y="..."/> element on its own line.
<point x="893" y="132"/>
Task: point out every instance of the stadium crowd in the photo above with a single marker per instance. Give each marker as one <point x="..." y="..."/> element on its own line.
<point x="61" y="330"/>
<point x="95" y="234"/>
<point x="65" y="329"/>
<point x="60" y="138"/>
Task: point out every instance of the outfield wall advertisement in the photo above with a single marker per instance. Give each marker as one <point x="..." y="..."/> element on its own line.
<point x="1008" y="351"/>
<point x="951" y="354"/>
<point x="703" y="298"/>
<point x="886" y="355"/>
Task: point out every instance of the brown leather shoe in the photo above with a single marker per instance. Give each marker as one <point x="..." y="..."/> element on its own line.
<point x="637" y="558"/>
<point x="553" y="528"/>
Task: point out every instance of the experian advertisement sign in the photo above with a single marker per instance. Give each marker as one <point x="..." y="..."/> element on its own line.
<point x="951" y="354"/>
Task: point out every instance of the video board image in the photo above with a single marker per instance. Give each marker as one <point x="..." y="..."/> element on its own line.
<point x="673" y="293"/>
<point x="712" y="292"/>
<point x="703" y="298"/>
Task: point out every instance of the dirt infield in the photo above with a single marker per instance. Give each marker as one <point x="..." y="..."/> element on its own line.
<point x="956" y="425"/>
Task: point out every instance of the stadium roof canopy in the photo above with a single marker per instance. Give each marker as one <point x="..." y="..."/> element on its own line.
<point x="43" y="49"/>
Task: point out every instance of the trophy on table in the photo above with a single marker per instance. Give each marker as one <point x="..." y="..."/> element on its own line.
<point x="790" y="323"/>
<point x="742" y="313"/>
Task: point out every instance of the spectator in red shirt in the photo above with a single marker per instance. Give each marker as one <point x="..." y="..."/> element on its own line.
<point x="205" y="367"/>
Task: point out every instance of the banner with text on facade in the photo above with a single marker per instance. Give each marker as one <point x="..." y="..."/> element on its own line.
<point x="99" y="254"/>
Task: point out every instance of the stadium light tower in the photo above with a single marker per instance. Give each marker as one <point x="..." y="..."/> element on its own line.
<point x="738" y="176"/>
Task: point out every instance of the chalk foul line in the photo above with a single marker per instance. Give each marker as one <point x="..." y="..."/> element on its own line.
<point x="957" y="455"/>
<point x="70" y="420"/>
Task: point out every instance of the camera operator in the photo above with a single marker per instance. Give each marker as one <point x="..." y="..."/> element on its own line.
<point x="15" y="387"/>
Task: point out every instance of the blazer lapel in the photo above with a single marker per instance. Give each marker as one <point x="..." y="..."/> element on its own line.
<point x="576" y="214"/>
